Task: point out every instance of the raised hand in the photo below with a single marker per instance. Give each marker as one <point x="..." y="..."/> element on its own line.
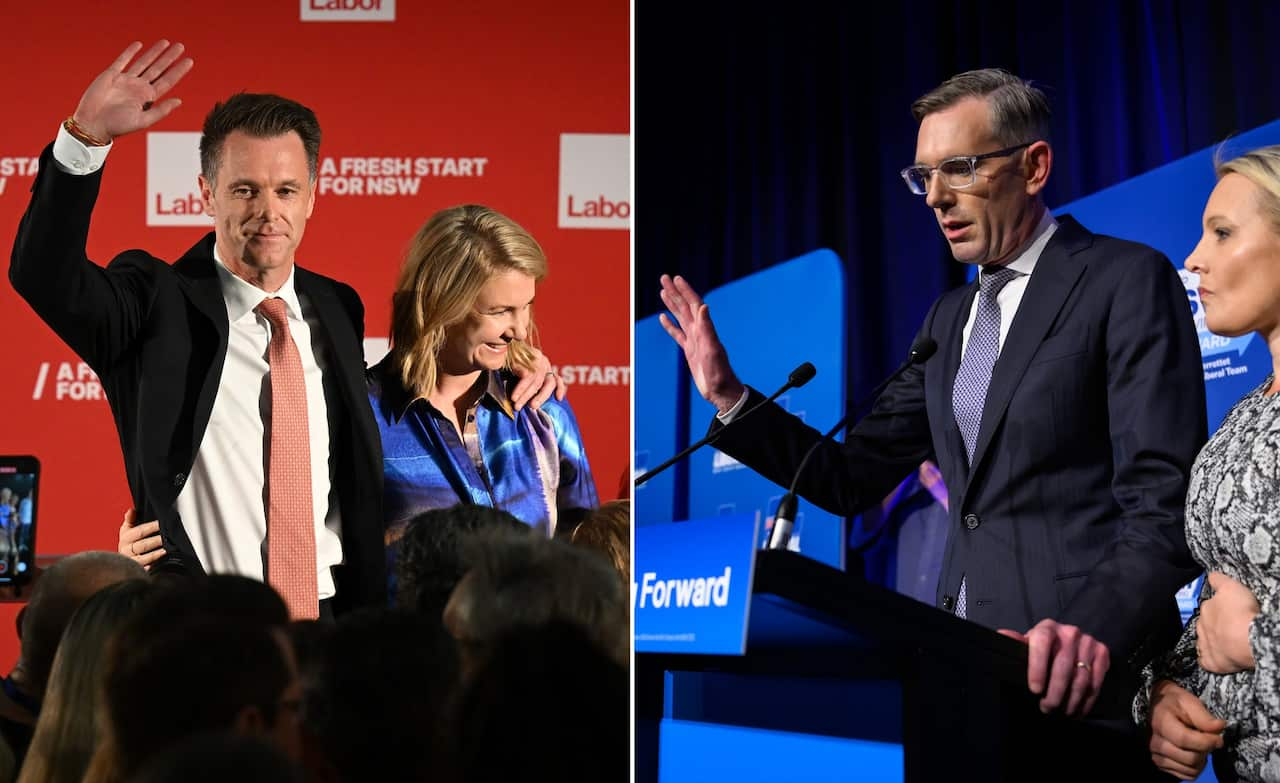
<point x="696" y="335"/>
<point x="127" y="96"/>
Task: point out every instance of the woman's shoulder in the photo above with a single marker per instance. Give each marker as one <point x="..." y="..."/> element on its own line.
<point x="387" y="394"/>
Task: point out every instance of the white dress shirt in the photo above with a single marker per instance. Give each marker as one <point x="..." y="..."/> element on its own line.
<point x="1011" y="295"/>
<point x="223" y="504"/>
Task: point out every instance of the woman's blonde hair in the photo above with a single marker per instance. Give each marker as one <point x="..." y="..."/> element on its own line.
<point x="607" y="530"/>
<point x="449" y="261"/>
<point x="72" y="720"/>
<point x="1262" y="168"/>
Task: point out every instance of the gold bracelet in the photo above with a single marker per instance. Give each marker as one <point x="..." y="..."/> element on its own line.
<point x="82" y="135"/>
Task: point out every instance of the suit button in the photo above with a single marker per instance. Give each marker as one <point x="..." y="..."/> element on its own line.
<point x="948" y="603"/>
<point x="971" y="521"/>
<point x="179" y="479"/>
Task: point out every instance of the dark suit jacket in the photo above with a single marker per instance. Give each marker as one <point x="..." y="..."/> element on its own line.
<point x="1073" y="506"/>
<point x="156" y="335"/>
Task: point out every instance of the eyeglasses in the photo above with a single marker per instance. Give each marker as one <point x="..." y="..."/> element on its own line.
<point x="959" y="173"/>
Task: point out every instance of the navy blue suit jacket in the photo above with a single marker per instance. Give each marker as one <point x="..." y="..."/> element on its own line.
<point x="1072" y="508"/>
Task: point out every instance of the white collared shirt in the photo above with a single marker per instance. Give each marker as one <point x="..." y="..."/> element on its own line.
<point x="1011" y="295"/>
<point x="223" y="504"/>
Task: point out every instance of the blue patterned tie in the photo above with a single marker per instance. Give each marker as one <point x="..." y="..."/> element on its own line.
<point x="969" y="396"/>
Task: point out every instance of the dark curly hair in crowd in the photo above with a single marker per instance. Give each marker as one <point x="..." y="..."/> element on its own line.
<point x="430" y="562"/>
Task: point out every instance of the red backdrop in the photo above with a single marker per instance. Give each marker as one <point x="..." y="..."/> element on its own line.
<point x="497" y="82"/>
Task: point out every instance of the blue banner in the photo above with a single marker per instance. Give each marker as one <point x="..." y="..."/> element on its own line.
<point x="765" y="345"/>
<point x="657" y="384"/>
<point x="1163" y="208"/>
<point x="692" y="585"/>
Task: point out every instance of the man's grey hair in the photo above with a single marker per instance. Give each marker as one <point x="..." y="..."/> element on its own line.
<point x="525" y="580"/>
<point x="1019" y="110"/>
<point x="58" y="592"/>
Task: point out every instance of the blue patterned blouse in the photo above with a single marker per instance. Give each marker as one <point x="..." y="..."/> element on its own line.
<point x="529" y="463"/>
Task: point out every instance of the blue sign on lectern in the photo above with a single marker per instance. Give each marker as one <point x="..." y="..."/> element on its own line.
<point x="691" y="586"/>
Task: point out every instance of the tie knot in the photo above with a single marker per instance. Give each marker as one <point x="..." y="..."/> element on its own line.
<point x="274" y="310"/>
<point x="992" y="280"/>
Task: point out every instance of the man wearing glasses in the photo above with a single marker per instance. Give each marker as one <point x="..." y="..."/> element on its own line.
<point x="1064" y="406"/>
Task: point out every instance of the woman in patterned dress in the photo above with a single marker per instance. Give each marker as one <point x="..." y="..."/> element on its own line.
<point x="1218" y="690"/>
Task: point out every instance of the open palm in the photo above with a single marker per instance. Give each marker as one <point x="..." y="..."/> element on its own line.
<point x="127" y="96"/>
<point x="696" y="335"/>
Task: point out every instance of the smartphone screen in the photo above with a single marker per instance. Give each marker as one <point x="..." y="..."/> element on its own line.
<point x="19" y="492"/>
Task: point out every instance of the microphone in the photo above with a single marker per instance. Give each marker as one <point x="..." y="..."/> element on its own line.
<point x="785" y="516"/>
<point x="798" y="377"/>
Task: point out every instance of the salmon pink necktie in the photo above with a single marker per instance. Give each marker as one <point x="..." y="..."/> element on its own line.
<point x="291" y="531"/>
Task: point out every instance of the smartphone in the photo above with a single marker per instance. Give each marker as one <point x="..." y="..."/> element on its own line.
<point x="19" y="493"/>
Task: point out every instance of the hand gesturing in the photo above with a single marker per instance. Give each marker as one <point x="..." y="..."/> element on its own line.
<point x="696" y="335"/>
<point x="127" y="96"/>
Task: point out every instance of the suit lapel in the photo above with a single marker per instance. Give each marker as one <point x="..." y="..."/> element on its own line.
<point x="953" y="352"/>
<point x="348" y="353"/>
<point x="198" y="269"/>
<point x="1055" y="275"/>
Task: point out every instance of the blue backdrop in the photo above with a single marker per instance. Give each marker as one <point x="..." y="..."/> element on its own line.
<point x="761" y="135"/>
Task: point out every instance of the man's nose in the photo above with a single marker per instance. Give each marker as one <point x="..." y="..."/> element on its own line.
<point x="937" y="194"/>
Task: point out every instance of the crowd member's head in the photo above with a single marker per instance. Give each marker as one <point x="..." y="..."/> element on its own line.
<point x="258" y="157"/>
<point x="1238" y="256"/>
<point x="217" y="757"/>
<point x="200" y="654"/>
<point x="376" y="696"/>
<point x="200" y="675"/>
<point x="464" y="299"/>
<point x="515" y="581"/>
<point x="607" y="530"/>
<point x="547" y="704"/>
<point x="70" y="724"/>
<point x="430" y="563"/>
<point x="56" y="596"/>
<point x="225" y="597"/>
<point x="982" y="161"/>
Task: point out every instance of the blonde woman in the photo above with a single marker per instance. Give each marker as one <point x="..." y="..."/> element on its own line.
<point x="70" y="725"/>
<point x="1218" y="689"/>
<point x="461" y="327"/>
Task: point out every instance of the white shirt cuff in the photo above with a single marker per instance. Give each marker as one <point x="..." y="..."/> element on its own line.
<point x="729" y="415"/>
<point x="74" y="156"/>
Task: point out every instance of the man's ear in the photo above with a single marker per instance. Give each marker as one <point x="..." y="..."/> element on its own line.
<point x="311" y="198"/>
<point x="1039" y="162"/>
<point x="206" y="194"/>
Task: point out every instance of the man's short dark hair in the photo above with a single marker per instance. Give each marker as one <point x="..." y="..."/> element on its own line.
<point x="1019" y="110"/>
<point x="218" y="756"/>
<point x="431" y="564"/>
<point x="548" y="704"/>
<point x="377" y="693"/>
<point x="220" y="667"/>
<point x="515" y="581"/>
<point x="262" y="116"/>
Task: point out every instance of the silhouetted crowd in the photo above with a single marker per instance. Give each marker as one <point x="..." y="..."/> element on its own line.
<point x="503" y="656"/>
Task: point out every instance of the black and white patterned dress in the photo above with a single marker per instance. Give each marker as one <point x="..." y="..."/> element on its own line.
<point x="1233" y="526"/>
